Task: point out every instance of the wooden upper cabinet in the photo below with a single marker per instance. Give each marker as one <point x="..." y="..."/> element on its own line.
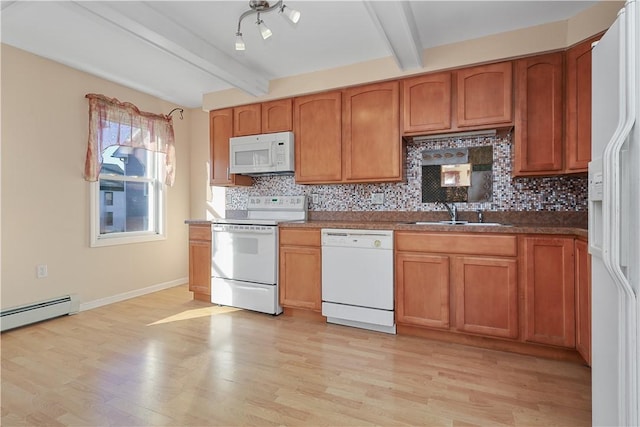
<point x="276" y="116"/>
<point x="484" y="95"/>
<point x="426" y="103"/>
<point x="548" y="266"/>
<point x="539" y="115"/>
<point x="317" y="125"/>
<point x="267" y="117"/>
<point x="371" y="141"/>
<point x="578" y="107"/>
<point x="247" y="120"/>
<point x="220" y="130"/>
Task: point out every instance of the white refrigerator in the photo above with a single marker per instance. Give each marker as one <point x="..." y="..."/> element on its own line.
<point x="614" y="223"/>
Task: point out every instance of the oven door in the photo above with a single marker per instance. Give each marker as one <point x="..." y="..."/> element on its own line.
<point x="244" y="252"/>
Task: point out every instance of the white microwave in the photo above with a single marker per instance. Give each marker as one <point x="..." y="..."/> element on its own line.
<point x="269" y="153"/>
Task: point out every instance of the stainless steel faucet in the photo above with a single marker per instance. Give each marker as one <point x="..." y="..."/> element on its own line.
<point x="453" y="211"/>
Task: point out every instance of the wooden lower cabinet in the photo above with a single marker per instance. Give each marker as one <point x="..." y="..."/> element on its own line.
<point x="486" y="295"/>
<point x="200" y="261"/>
<point x="583" y="300"/>
<point x="300" y="268"/>
<point x="548" y="283"/>
<point x="422" y="289"/>
<point x="458" y="282"/>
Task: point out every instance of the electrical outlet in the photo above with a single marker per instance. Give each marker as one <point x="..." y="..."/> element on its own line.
<point x="377" y="198"/>
<point x="41" y="271"/>
<point x="315" y="199"/>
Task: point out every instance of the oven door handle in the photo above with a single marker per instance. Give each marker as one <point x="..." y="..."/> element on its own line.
<point x="252" y="288"/>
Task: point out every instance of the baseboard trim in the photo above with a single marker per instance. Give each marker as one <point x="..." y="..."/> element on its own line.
<point x="132" y="294"/>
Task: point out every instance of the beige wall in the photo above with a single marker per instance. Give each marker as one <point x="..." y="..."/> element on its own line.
<point x="206" y="202"/>
<point x="45" y="201"/>
<point x="526" y="41"/>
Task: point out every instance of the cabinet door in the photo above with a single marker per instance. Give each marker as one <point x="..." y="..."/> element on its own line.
<point x="317" y="125"/>
<point x="200" y="269"/>
<point x="583" y="300"/>
<point x="485" y="95"/>
<point x="578" y="107"/>
<point x="549" y="290"/>
<point x="486" y="295"/>
<point x="247" y="120"/>
<point x="371" y="142"/>
<point x="538" y="127"/>
<point x="300" y="277"/>
<point x="422" y="289"/>
<point x="426" y="103"/>
<point x="220" y="130"/>
<point x="276" y="116"/>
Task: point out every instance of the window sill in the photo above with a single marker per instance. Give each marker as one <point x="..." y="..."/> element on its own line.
<point x="97" y="242"/>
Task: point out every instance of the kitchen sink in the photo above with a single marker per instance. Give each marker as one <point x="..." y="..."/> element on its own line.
<point x="457" y="223"/>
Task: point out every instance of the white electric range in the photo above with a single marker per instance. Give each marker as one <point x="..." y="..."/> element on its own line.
<point x="244" y="255"/>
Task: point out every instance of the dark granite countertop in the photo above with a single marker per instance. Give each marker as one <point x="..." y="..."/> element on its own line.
<point x="407" y="226"/>
<point x="198" y="222"/>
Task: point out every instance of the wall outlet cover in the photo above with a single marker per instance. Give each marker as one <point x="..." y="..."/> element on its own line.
<point x="41" y="271"/>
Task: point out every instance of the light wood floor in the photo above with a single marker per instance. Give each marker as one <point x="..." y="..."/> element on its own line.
<point x="163" y="359"/>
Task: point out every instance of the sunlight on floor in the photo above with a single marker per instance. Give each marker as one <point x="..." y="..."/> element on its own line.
<point x="196" y="312"/>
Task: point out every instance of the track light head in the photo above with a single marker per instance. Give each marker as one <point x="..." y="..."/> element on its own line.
<point x="239" y="42"/>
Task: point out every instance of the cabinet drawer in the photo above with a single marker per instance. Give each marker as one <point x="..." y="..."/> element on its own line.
<point x="200" y="232"/>
<point x="456" y="243"/>
<point x="300" y="237"/>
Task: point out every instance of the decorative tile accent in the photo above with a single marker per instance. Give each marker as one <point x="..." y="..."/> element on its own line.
<point x="445" y="157"/>
<point x="481" y="189"/>
<point x="559" y="193"/>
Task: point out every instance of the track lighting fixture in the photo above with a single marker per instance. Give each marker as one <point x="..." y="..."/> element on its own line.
<point x="258" y="7"/>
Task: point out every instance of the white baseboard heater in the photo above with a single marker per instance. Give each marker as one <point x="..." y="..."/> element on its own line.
<point x="37" y="312"/>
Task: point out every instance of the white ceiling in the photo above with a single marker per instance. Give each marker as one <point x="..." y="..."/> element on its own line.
<point x="180" y="50"/>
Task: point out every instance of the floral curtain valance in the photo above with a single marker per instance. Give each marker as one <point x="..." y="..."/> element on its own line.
<point x="127" y="126"/>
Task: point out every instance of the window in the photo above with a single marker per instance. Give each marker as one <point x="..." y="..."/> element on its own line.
<point x="128" y="198"/>
<point x="129" y="162"/>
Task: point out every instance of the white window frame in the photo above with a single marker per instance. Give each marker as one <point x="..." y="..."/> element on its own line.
<point x="157" y="217"/>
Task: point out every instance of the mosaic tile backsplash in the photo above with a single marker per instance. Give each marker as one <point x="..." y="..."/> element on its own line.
<point x="559" y="193"/>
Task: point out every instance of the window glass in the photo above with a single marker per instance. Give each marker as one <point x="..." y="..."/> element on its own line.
<point x="129" y="199"/>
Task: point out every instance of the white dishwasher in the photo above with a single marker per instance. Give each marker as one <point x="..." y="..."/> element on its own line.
<point x="357" y="278"/>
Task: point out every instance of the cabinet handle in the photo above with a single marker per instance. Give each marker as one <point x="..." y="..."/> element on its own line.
<point x="228" y="175"/>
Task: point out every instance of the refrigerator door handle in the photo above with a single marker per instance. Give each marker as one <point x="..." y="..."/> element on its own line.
<point x="612" y="208"/>
<point x="612" y="165"/>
